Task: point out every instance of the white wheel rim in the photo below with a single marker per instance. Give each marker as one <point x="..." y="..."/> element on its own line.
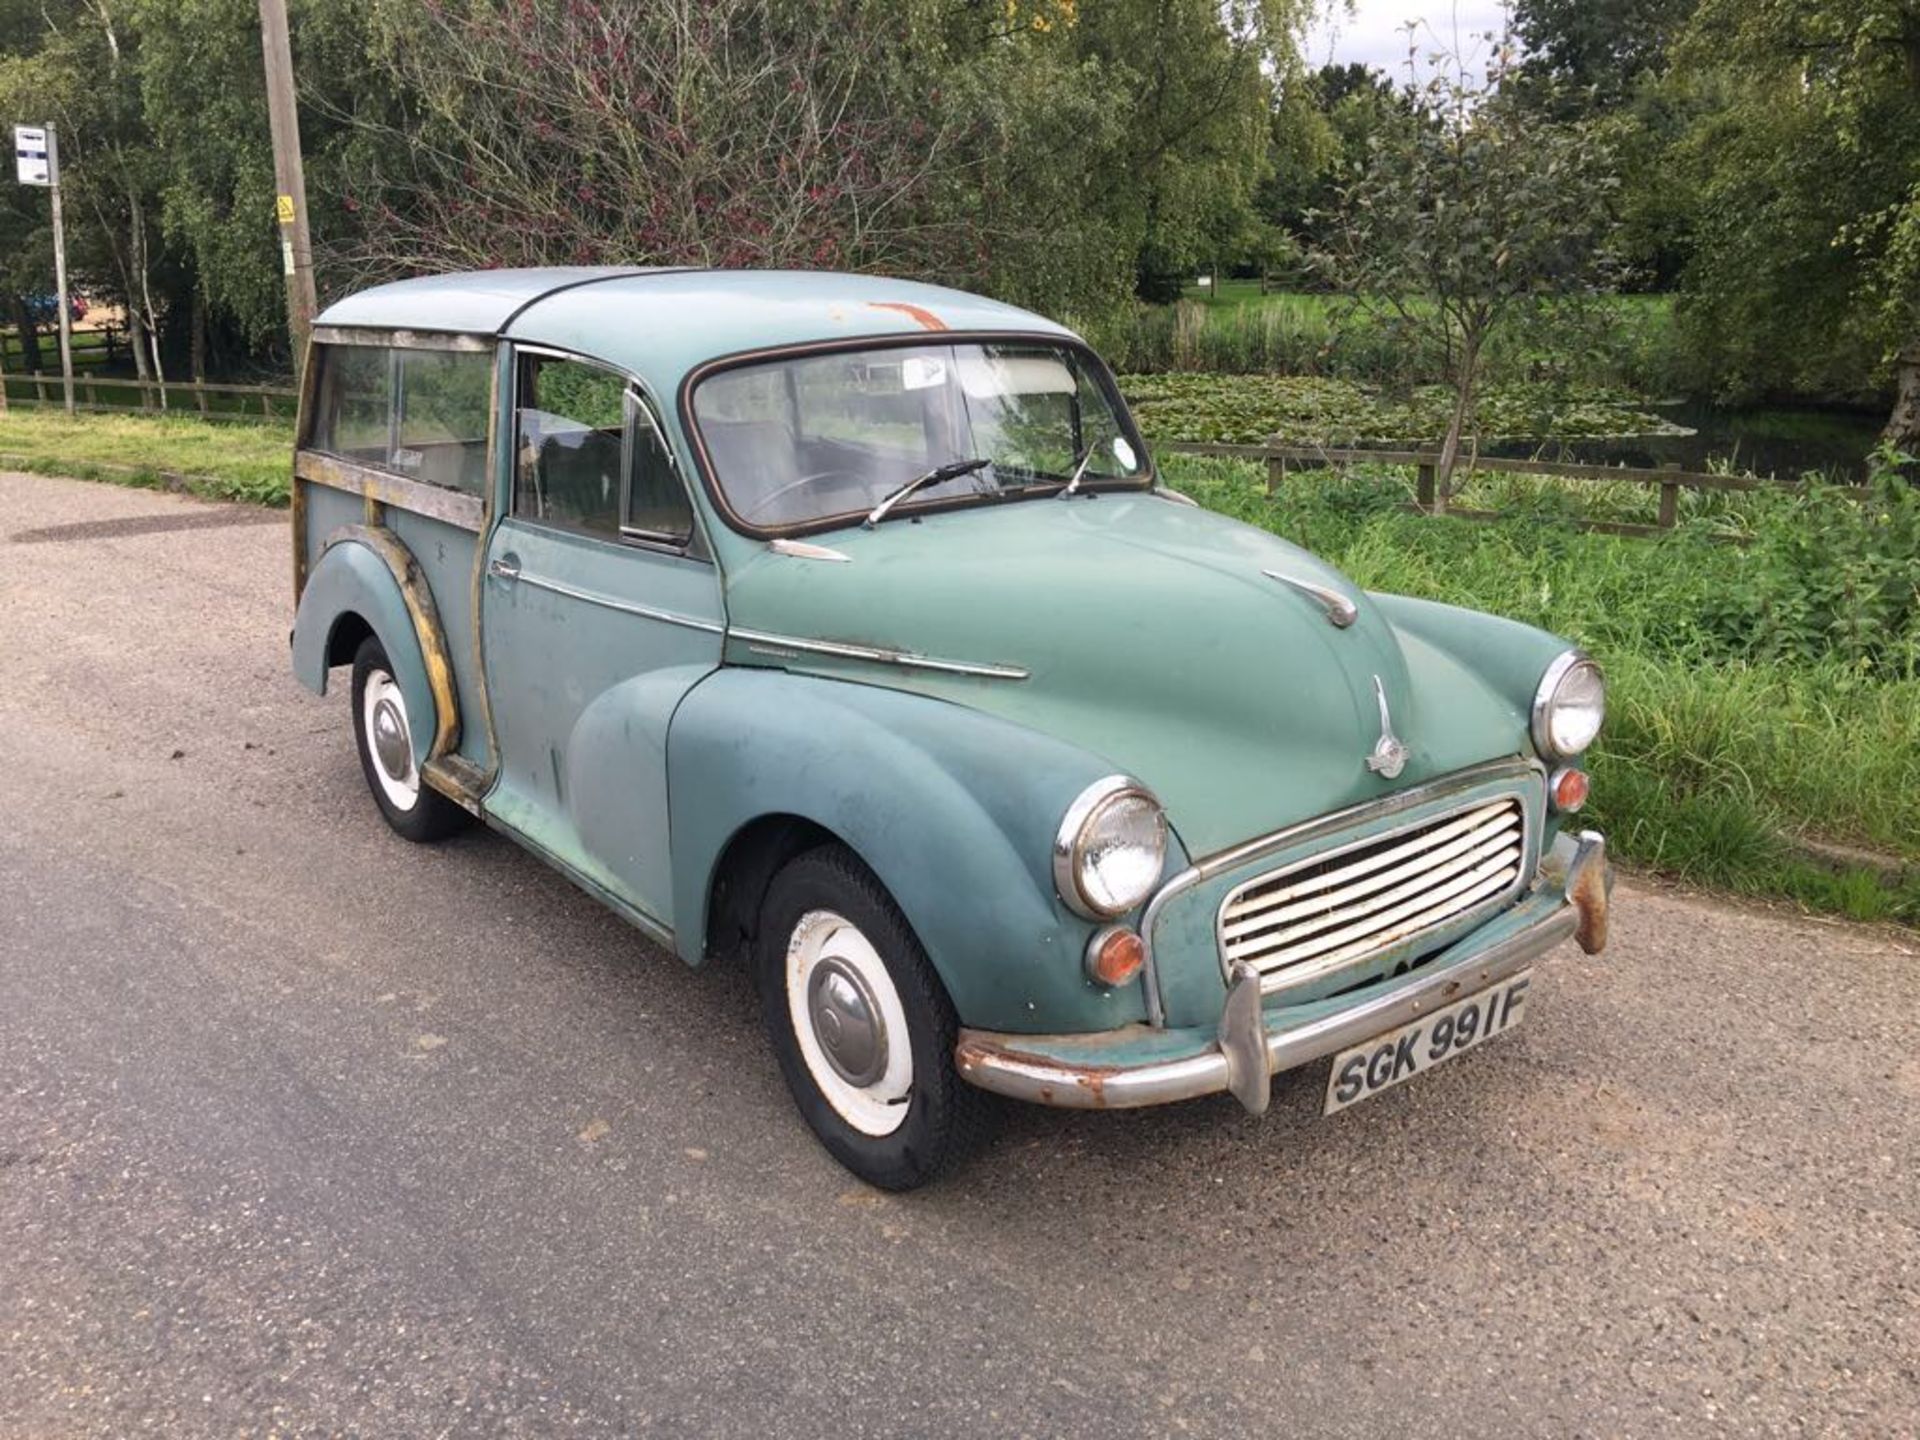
<point x="823" y="938"/>
<point x="382" y="709"/>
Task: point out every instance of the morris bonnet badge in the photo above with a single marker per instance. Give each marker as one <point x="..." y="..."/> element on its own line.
<point x="1389" y="756"/>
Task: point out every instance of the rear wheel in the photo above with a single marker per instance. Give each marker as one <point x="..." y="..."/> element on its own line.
<point x="862" y="1027"/>
<point x="383" y="733"/>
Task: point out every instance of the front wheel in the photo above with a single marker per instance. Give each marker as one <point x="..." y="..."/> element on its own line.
<point x="862" y="1027"/>
<point x="383" y="733"/>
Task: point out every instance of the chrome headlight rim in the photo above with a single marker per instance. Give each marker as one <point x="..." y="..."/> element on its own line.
<point x="1076" y="825"/>
<point x="1548" y="692"/>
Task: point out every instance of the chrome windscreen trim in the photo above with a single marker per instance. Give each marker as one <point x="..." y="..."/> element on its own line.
<point x="1248" y="851"/>
<point x="766" y="642"/>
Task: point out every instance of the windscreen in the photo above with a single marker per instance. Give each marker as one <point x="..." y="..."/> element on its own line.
<point x="817" y="437"/>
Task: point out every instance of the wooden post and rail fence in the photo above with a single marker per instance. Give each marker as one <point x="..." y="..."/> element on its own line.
<point x="205" y="400"/>
<point x="1281" y="459"/>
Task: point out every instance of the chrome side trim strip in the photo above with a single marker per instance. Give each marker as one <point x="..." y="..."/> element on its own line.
<point x="1251" y="850"/>
<point x="765" y="642"/>
<point x="625" y="607"/>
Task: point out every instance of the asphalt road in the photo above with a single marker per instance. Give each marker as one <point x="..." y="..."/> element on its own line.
<point x="304" y="1130"/>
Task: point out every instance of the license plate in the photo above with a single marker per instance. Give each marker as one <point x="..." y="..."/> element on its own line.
<point x="1386" y="1060"/>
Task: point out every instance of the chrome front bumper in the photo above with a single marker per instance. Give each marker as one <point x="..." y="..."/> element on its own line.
<point x="1138" y="1065"/>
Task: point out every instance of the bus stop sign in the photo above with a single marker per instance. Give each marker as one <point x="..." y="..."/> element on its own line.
<point x="30" y="155"/>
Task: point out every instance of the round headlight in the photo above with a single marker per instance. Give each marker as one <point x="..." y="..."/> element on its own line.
<point x="1111" y="845"/>
<point x="1568" y="707"/>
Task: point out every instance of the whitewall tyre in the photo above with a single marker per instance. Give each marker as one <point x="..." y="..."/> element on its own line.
<point x="861" y="1025"/>
<point x="384" y="735"/>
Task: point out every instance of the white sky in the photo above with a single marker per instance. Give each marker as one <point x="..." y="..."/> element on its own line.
<point x="1373" y="32"/>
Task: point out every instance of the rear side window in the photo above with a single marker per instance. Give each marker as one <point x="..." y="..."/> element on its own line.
<point x="422" y="413"/>
<point x="589" y="455"/>
<point x="354" y="404"/>
<point x="441" y="430"/>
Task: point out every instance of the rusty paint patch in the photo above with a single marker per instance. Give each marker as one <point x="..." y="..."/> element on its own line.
<point x="1046" y="1072"/>
<point x="919" y="314"/>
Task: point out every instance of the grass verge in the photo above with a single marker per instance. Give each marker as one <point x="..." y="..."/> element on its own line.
<point x="1713" y="763"/>
<point x="230" y="461"/>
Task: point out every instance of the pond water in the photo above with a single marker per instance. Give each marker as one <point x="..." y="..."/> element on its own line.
<point x="1778" y="440"/>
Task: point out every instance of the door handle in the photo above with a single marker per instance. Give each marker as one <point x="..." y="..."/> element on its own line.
<point x="504" y="567"/>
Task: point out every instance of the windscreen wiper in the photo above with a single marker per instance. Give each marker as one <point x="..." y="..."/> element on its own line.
<point x="1079" y="471"/>
<point x="953" y="470"/>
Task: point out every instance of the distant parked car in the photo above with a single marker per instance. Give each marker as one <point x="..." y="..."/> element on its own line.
<point x="45" y="309"/>
<point x="844" y="625"/>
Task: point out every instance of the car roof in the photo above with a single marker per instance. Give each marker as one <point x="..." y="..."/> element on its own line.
<point x="660" y="323"/>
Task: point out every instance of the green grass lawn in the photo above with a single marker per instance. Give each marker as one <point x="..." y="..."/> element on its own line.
<point x="227" y="461"/>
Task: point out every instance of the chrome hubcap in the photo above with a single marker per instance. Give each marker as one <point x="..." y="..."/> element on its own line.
<point x="389" y="741"/>
<point x="846" y="1021"/>
<point x="849" y="1023"/>
<point x="390" y="744"/>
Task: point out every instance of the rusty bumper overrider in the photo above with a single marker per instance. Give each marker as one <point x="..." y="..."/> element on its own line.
<point x="1141" y="1065"/>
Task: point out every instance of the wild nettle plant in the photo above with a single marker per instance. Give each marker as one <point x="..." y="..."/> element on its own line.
<point x="1830" y="576"/>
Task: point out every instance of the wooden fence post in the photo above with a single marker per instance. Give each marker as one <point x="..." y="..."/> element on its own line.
<point x="39" y="388"/>
<point x="1423" y="487"/>
<point x="1276" y="473"/>
<point x="1669" y="500"/>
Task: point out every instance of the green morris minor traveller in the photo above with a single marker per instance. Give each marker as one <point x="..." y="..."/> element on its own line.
<point x="844" y="626"/>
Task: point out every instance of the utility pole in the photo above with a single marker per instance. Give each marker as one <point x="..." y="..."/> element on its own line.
<point x="36" y="158"/>
<point x="290" y="181"/>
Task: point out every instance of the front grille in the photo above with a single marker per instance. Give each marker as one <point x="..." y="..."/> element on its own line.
<point x="1324" y="914"/>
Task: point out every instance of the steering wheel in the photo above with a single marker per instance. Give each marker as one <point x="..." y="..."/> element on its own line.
<point x="817" y="477"/>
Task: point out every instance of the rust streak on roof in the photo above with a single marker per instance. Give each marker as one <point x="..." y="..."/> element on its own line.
<point x="919" y="314"/>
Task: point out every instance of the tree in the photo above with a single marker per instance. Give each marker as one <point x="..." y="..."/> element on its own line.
<point x="1596" y="51"/>
<point x="705" y="132"/>
<point x="1471" y="208"/>
<point x="1806" y="277"/>
<point x="1323" y="134"/>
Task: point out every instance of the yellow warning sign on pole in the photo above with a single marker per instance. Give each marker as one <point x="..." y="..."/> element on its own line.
<point x="283" y="209"/>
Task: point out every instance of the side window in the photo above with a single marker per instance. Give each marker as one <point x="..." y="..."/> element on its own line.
<point x="568" y="444"/>
<point x="353" y="402"/>
<point x="422" y="413"/>
<point x="589" y="455"/>
<point x="442" y="431"/>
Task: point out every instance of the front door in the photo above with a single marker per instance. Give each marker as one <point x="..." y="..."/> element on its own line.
<point x="597" y="616"/>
